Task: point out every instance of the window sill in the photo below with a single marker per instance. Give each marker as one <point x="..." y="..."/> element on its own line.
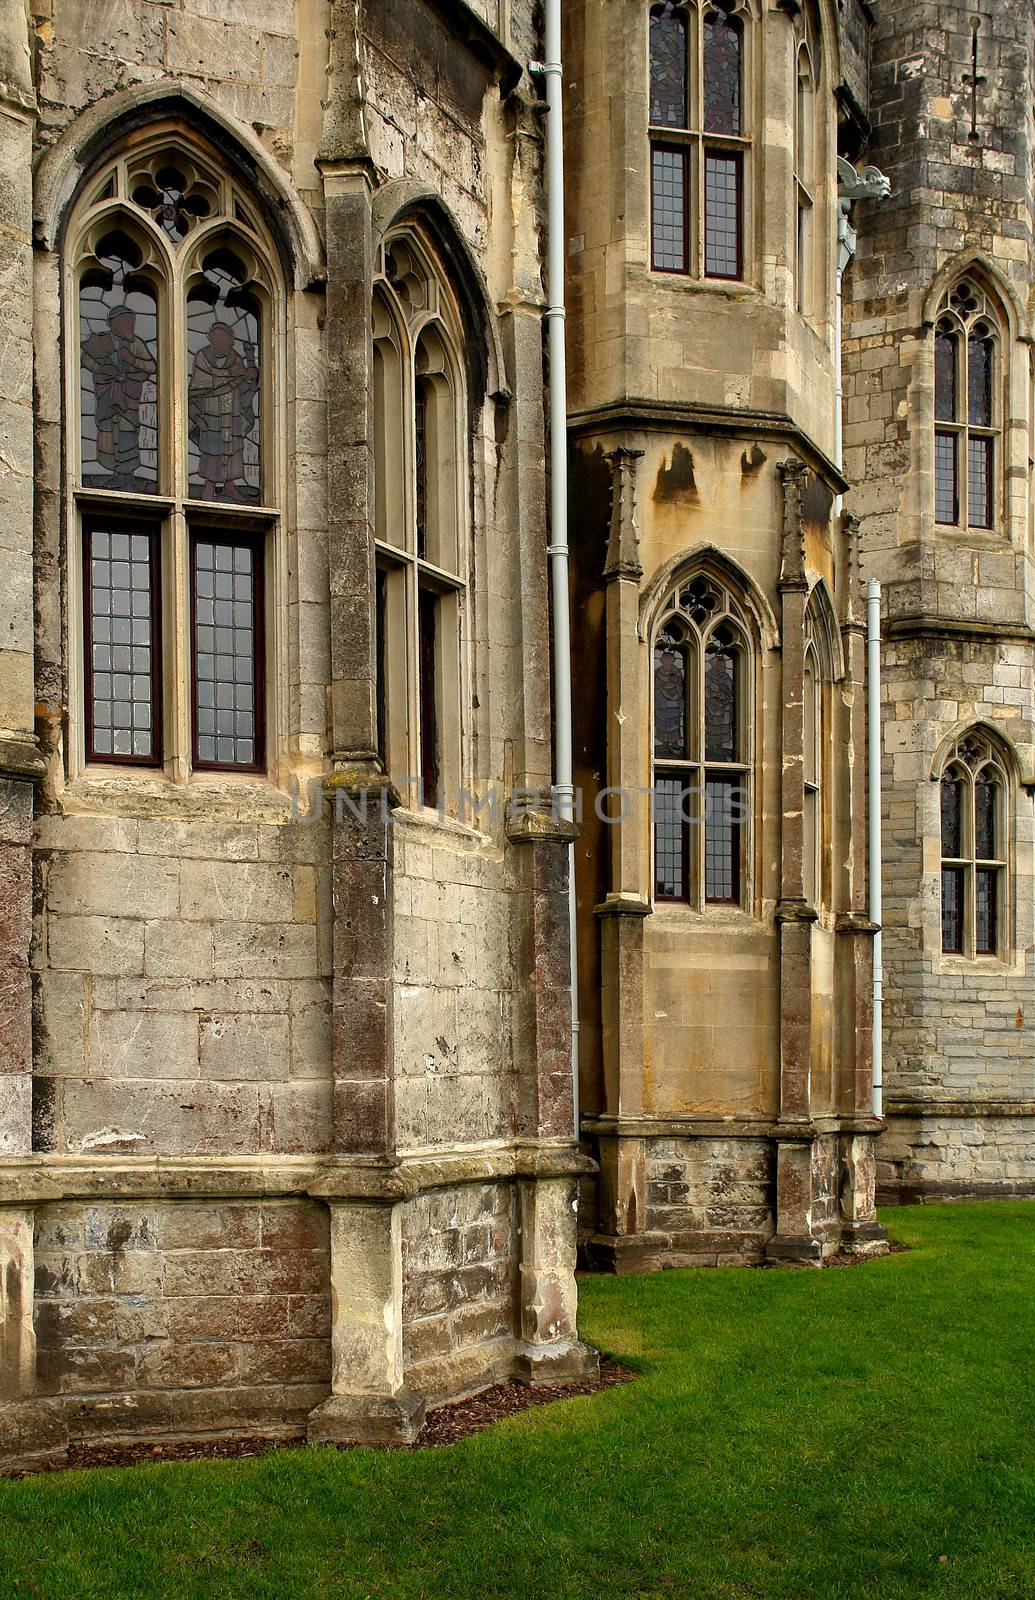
<point x="428" y="820"/>
<point x="237" y="796"/>
<point x="732" y="288"/>
<point x="675" y="912"/>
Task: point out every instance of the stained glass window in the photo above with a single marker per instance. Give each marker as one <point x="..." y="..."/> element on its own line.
<point x="420" y="440"/>
<point x="965" y="377"/>
<point x="668" y="67"/>
<point x="985" y="791"/>
<point x="118" y="365"/>
<point x="972" y="850"/>
<point x="670" y="704"/>
<point x="720" y="699"/>
<point x="721" y="74"/>
<point x="945" y="376"/>
<point x="227" y="625"/>
<point x="121" y="627"/>
<point x="669" y="210"/>
<point x="175" y="203"/>
<point x="721" y="215"/>
<point x="223" y="389"/>
<point x="952" y="817"/>
<point x="979" y="378"/>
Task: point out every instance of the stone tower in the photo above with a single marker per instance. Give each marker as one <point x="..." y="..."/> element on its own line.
<point x="938" y="449"/>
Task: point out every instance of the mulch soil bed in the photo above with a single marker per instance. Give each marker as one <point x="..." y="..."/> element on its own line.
<point x="447" y="1424"/>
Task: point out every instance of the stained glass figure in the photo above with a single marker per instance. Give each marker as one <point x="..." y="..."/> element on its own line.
<point x="984" y="819"/>
<point x="952" y="817"/>
<point x="223" y="396"/>
<point x="720" y="698"/>
<point x="420" y="440"/>
<point x="945" y="375"/>
<point x="118" y="367"/>
<point x="668" y="67"/>
<point x="721" y="74"/>
<point x="670" y="701"/>
<point x="226" y="597"/>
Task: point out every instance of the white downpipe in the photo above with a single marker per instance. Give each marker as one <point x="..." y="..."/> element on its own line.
<point x="558" y="440"/>
<point x="873" y="741"/>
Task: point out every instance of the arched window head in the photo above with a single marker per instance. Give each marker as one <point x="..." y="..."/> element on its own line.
<point x="701" y="668"/>
<point x="699" y="138"/>
<point x="967" y="408"/>
<point x="974" y="811"/>
<point x="174" y="293"/>
<point x="420" y="518"/>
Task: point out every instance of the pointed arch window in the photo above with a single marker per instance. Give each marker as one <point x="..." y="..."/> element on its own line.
<point x="175" y="295"/>
<point x="804" y="174"/>
<point x="702" y="740"/>
<point x="699" y="138"/>
<point x="974" y="810"/>
<point x="420" y="521"/>
<point x="967" y="409"/>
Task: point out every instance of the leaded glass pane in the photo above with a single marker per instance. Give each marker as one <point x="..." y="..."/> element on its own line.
<point x="668" y="67"/>
<point x="945" y="376"/>
<point x="223" y="394"/>
<point x="721" y="74"/>
<point x="979" y="379"/>
<point x="980" y="455"/>
<point x="226" y="595"/>
<point x="985" y="795"/>
<point x="670" y="840"/>
<point x="118" y="372"/>
<point x="420" y="436"/>
<point x="721" y="216"/>
<point x="670" y="687"/>
<point x="668" y="210"/>
<point x="986" y="911"/>
<point x="946" y="500"/>
<point x="952" y="817"/>
<point x="722" y="840"/>
<point x="720" y="700"/>
<point x="121" y="664"/>
<point x="952" y="910"/>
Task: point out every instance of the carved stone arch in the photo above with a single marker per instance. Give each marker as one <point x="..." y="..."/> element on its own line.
<point x="820" y="612"/>
<point x="1000" y="743"/>
<point x="407" y="200"/>
<point x="974" y="263"/>
<point x="90" y="137"/>
<point x="727" y="570"/>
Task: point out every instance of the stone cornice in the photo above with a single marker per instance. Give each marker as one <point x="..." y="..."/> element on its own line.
<point x="40" y="1179"/>
<point x="20" y="757"/>
<point x="966" y="1110"/>
<point x="716" y="1126"/>
<point x="479" y="38"/>
<point x="669" y="416"/>
<point x="923" y="625"/>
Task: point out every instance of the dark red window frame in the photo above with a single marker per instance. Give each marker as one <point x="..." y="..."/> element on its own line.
<point x="256" y="543"/>
<point x="151" y="529"/>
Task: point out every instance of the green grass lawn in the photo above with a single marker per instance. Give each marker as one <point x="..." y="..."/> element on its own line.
<point x="866" y="1432"/>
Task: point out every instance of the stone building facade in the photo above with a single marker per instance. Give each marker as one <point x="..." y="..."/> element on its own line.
<point x="938" y="448"/>
<point x="286" y="1123"/>
<point x="725" y="953"/>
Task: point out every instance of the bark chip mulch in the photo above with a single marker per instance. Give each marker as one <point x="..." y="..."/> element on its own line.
<point x="447" y="1424"/>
